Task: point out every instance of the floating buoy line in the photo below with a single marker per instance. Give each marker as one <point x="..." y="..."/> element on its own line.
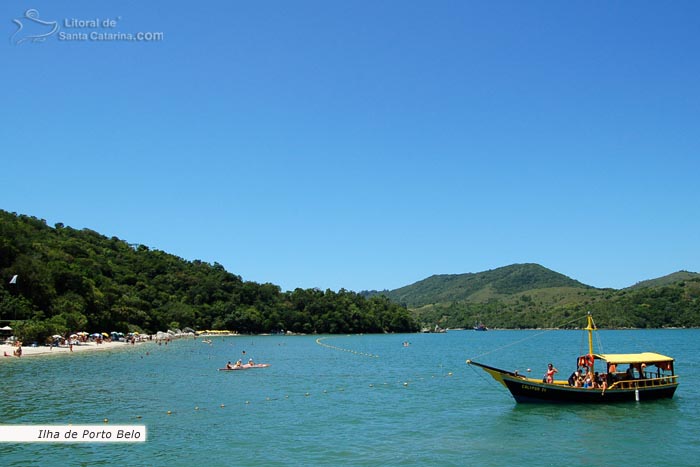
<point x="320" y="342"/>
<point x="302" y="394"/>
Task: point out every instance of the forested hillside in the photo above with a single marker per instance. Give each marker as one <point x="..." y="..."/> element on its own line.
<point x="532" y="296"/>
<point x="71" y="280"/>
<point x="482" y="286"/>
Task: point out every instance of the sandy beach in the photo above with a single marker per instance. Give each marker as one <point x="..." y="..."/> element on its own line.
<point x="28" y="351"/>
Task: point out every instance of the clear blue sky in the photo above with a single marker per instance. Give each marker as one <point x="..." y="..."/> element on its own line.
<point x="364" y="144"/>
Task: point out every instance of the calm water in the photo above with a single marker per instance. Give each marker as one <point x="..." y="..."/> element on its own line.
<point x="319" y="405"/>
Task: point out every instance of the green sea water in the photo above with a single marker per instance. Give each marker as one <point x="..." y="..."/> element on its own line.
<point x="361" y="400"/>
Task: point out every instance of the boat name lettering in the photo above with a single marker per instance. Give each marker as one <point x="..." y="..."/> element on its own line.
<point x="528" y="387"/>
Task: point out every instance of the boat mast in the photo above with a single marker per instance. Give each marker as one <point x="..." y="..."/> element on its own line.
<point x="590" y="329"/>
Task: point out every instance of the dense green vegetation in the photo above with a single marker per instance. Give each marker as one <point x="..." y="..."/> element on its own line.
<point x="531" y="296"/>
<point x="78" y="280"/>
<point x="481" y="286"/>
<point x="72" y="280"/>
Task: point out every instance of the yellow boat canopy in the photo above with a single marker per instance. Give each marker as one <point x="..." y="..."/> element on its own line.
<point x="645" y="357"/>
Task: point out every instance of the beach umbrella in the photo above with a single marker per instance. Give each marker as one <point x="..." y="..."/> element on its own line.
<point x="6" y="328"/>
<point x="105" y="334"/>
<point x="56" y="336"/>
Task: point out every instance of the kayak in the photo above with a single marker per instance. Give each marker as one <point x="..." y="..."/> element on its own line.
<point x="246" y="367"/>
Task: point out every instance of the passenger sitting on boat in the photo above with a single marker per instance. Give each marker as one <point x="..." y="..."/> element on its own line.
<point x="642" y="367"/>
<point x="229" y="365"/>
<point x="588" y="381"/>
<point x="629" y="374"/>
<point x="603" y="383"/>
<point x="239" y="362"/>
<point x="251" y="362"/>
<point x="549" y="376"/>
<point x="572" y="379"/>
<point x="598" y="379"/>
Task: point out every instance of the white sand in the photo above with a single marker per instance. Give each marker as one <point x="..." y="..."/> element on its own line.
<point x="28" y="351"/>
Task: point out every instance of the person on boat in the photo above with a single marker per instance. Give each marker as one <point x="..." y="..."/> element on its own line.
<point x="629" y="374"/>
<point x="549" y="376"/>
<point x="597" y="380"/>
<point x="584" y="371"/>
<point x="642" y="368"/>
<point x="601" y="381"/>
<point x="251" y="362"/>
<point x="229" y="366"/>
<point x="239" y="363"/>
<point x="575" y="379"/>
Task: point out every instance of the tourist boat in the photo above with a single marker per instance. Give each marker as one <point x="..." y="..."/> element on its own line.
<point x="480" y="327"/>
<point x="246" y="366"/>
<point x="649" y="376"/>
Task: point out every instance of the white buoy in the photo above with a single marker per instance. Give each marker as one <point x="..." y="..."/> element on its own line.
<point x="636" y="394"/>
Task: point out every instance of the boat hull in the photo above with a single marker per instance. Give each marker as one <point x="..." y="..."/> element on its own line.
<point x="528" y="390"/>
<point x="245" y="367"/>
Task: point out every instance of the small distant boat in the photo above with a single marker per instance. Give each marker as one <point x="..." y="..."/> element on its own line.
<point x="650" y="376"/>
<point x="246" y="366"/>
<point x="480" y="327"/>
<point x="437" y="329"/>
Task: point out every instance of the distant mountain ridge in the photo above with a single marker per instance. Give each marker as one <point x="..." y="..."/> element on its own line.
<point x="532" y="296"/>
<point x="666" y="280"/>
<point x="481" y="286"/>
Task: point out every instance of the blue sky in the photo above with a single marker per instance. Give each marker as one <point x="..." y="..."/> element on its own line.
<point x="365" y="144"/>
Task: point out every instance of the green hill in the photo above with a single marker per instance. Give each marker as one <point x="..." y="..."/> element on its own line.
<point x="679" y="276"/>
<point x="532" y="296"/>
<point x="481" y="287"/>
<point x="78" y="280"/>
